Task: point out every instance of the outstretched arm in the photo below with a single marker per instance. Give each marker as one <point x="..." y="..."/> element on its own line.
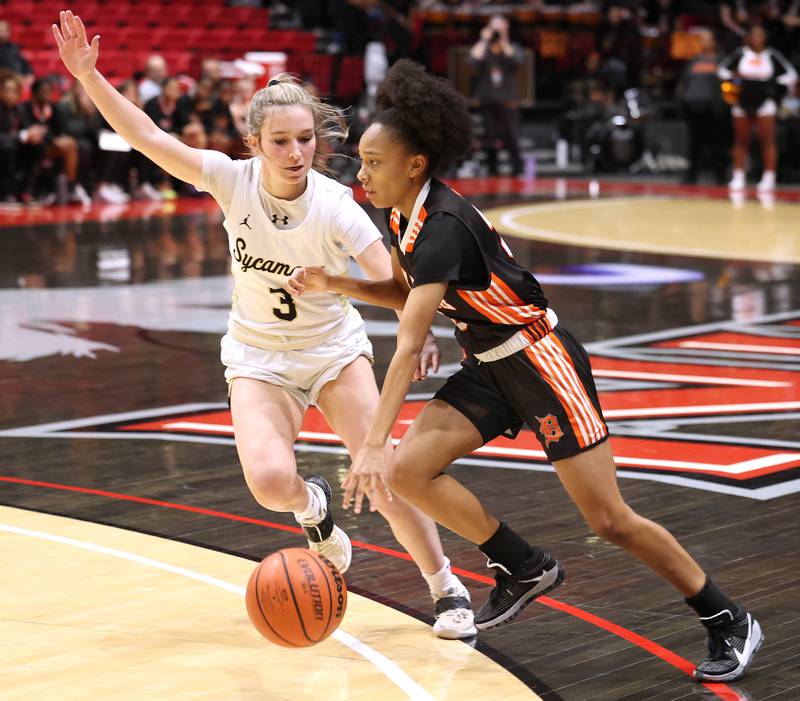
<point x="126" y="119"/>
<point x="368" y="464"/>
<point x="390" y="292"/>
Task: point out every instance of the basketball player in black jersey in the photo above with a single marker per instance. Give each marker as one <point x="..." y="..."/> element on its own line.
<point x="521" y="366"/>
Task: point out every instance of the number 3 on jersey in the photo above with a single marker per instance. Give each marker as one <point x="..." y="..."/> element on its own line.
<point x="286" y="301"/>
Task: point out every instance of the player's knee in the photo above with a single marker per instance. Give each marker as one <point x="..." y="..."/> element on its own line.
<point x="613" y="526"/>
<point x="400" y="479"/>
<point x="272" y="487"/>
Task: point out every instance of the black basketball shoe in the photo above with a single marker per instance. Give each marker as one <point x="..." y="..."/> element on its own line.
<point x="324" y="536"/>
<point x="732" y="644"/>
<point x="538" y="575"/>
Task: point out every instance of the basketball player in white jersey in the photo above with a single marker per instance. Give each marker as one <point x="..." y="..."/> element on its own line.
<point x="283" y="354"/>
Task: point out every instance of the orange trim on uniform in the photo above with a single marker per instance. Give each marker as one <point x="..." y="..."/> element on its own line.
<point x="549" y="376"/>
<point x="423" y="215"/>
<point x="501" y="305"/>
<point x="509" y="292"/>
<point x="591" y="406"/>
<point x="394" y="221"/>
<point x="484" y="308"/>
<point x="596" y="429"/>
<point x="538" y="329"/>
<point x="556" y="367"/>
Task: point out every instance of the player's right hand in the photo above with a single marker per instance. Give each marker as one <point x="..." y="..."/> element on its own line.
<point x="78" y="56"/>
<point x="309" y="279"/>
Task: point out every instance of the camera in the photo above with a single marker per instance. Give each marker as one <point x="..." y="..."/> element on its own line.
<point x="494" y="37"/>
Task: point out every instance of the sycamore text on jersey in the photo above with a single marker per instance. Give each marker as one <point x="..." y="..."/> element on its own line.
<point x="268" y="266"/>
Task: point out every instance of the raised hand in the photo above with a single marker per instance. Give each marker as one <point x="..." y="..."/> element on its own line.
<point x="78" y="56"/>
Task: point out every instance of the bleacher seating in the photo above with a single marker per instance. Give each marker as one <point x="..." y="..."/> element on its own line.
<point x="183" y="32"/>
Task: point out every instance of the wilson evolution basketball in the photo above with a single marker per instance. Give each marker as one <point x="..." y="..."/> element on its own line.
<point x="296" y="597"/>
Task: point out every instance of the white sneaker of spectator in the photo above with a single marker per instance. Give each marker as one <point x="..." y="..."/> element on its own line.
<point x="737" y="181"/>
<point x="767" y="182"/>
<point x="110" y="194"/>
<point x="147" y="192"/>
<point x="79" y="194"/>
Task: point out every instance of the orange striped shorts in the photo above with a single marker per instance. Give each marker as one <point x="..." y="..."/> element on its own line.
<point x="547" y="385"/>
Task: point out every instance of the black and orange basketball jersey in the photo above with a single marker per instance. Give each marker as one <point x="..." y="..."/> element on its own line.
<point x="489" y="296"/>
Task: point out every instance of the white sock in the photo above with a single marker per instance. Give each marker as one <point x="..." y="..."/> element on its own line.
<point x="445" y="583"/>
<point x="316" y="509"/>
<point x="768" y="176"/>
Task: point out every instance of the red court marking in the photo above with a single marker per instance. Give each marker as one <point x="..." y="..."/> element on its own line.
<point x="722" y="691"/>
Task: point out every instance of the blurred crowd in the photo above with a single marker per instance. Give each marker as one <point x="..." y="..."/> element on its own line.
<point x="59" y="148"/>
<point x="54" y="145"/>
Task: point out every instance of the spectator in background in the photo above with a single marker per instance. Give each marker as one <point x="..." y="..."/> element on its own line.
<point x="781" y="21"/>
<point x="11" y="120"/>
<point x="196" y="112"/>
<point x="705" y="111"/>
<point x="11" y="57"/>
<point x="163" y="110"/>
<point x="620" y="41"/>
<point x="244" y="88"/>
<point x="661" y="14"/>
<point x="222" y="133"/>
<point x="761" y="72"/>
<point x="495" y="62"/>
<point x="45" y="142"/>
<point x="736" y="16"/>
<point x="155" y="73"/>
<point x="210" y="70"/>
<point x="78" y="117"/>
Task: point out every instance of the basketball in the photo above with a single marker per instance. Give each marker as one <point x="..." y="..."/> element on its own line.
<point x="296" y="597"/>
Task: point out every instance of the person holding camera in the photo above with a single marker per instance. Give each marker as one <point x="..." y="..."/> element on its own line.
<point x="495" y="62"/>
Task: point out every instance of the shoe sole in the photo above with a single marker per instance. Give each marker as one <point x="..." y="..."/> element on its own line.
<point x="740" y="670"/>
<point x="455" y="635"/>
<point x="532" y="595"/>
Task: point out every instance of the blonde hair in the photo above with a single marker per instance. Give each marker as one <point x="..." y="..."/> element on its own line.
<point x="285" y="90"/>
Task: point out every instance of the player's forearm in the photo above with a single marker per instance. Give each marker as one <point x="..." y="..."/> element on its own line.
<point x="382" y="293"/>
<point x="395" y="387"/>
<point x="125" y="118"/>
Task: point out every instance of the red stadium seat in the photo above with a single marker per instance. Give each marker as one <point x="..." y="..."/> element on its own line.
<point x="351" y="78"/>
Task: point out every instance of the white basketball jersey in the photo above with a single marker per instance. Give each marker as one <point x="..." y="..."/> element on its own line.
<point x="263" y="256"/>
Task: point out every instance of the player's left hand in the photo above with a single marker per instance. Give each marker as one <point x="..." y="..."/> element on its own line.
<point x="366" y="478"/>
<point x="428" y="358"/>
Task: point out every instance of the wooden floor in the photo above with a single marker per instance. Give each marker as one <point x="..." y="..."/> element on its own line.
<point x="128" y="533"/>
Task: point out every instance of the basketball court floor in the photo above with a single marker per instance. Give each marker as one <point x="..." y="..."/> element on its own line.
<point x="127" y="533"/>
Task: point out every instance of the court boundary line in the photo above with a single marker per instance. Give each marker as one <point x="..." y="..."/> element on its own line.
<point x="523" y="674"/>
<point x="721" y="690"/>
<point x="391" y="670"/>
<point x="510" y="222"/>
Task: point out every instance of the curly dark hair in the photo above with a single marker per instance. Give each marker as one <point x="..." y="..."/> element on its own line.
<point x="425" y="112"/>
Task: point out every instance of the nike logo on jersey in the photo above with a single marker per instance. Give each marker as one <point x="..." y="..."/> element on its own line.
<point x="244" y="222"/>
<point x="275" y="218"/>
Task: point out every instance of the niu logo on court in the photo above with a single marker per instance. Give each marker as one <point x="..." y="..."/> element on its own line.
<point x="673" y="400"/>
<point x="550" y="430"/>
